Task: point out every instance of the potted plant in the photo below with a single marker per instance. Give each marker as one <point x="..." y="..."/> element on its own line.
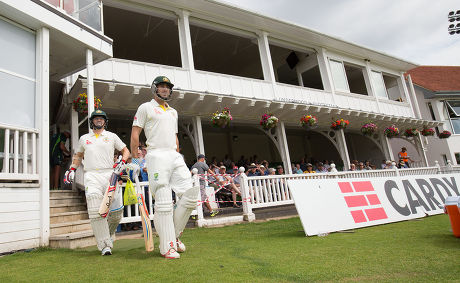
<point x="339" y="124"/>
<point x="413" y="132"/>
<point x="221" y="119"/>
<point x="268" y="121"/>
<point x="391" y="131"/>
<point x="369" y="129"/>
<point x="308" y="121"/>
<point x="81" y="103"/>
<point x="426" y="132"/>
<point x="444" y="134"/>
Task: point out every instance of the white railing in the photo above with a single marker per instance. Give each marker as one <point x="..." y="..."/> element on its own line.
<point x="300" y="94"/>
<point x="449" y="168"/>
<point x="356" y="102"/>
<point x="19" y="153"/>
<point x="131" y="212"/>
<point x="139" y="73"/>
<point x="395" y="108"/>
<point x="231" y="85"/>
<point x="273" y="190"/>
<point x="268" y="191"/>
<point x="418" y="171"/>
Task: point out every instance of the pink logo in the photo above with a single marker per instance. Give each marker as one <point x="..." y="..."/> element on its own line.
<point x="88" y="142"/>
<point x="361" y="199"/>
<point x="157" y="111"/>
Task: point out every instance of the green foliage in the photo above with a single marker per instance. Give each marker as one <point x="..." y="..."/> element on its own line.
<point x="277" y="251"/>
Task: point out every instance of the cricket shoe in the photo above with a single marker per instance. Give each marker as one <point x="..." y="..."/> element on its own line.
<point x="180" y="246"/>
<point x="106" y="251"/>
<point x="171" y="254"/>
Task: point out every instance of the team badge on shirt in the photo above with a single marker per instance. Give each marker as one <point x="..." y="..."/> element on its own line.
<point x="106" y="139"/>
<point x="155" y="176"/>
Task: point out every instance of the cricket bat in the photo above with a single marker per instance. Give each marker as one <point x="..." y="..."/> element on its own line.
<point x="145" y="219"/>
<point x="108" y="196"/>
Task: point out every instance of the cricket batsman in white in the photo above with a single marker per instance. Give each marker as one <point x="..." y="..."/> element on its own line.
<point x="97" y="151"/>
<point x="165" y="167"/>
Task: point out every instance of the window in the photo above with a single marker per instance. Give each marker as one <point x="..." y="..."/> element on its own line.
<point x="355" y="79"/>
<point x="387" y="86"/>
<point x="392" y="87"/>
<point x="218" y="50"/>
<point x="453" y="108"/>
<point x="379" y="84"/>
<point x="348" y="77"/>
<point x="457" y="158"/>
<point x="444" y="158"/>
<point x="17" y="75"/>
<point x="136" y="37"/>
<point x="338" y="75"/>
<point x="312" y="78"/>
<point x="430" y="108"/>
<point x="290" y="65"/>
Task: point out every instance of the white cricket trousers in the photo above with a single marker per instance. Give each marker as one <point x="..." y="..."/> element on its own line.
<point x="96" y="183"/>
<point x="167" y="172"/>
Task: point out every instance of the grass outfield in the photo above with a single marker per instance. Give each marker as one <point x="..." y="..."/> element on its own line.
<point x="275" y="251"/>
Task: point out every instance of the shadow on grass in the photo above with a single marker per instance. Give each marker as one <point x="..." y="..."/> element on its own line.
<point x="443" y="240"/>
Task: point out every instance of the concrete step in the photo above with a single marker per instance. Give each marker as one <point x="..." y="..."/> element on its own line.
<point x="73" y="240"/>
<point x="61" y="193"/>
<point x="64" y="207"/>
<point x="66" y="200"/>
<point x="69" y="227"/>
<point x="68" y="216"/>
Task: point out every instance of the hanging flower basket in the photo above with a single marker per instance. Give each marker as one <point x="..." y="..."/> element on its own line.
<point x="309" y="121"/>
<point x="444" y="135"/>
<point x="427" y="132"/>
<point x="221" y="119"/>
<point x="268" y="121"/>
<point x="391" y="132"/>
<point x="369" y="129"/>
<point x="339" y="124"/>
<point x="81" y="103"/>
<point x="411" y="132"/>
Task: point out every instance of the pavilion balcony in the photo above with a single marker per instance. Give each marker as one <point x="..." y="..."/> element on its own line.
<point x="131" y="77"/>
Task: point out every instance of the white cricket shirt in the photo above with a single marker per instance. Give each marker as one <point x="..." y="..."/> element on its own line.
<point x="159" y="124"/>
<point x="99" y="150"/>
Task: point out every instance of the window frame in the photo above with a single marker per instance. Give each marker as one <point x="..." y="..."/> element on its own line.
<point x="447" y="107"/>
<point x="344" y="73"/>
<point x="380" y="73"/>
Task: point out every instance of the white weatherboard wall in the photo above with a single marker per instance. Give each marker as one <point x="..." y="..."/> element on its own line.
<point x="19" y="218"/>
<point x="329" y="205"/>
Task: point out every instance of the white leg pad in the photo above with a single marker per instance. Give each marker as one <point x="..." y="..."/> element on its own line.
<point x="184" y="208"/>
<point x="113" y="220"/>
<point x="163" y="219"/>
<point x="99" y="224"/>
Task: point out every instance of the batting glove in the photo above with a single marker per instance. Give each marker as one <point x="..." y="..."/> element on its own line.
<point x="119" y="166"/>
<point x="69" y="176"/>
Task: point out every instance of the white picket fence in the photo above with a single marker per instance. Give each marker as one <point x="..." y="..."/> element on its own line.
<point x="19" y="153"/>
<point x="131" y="212"/>
<point x="273" y="190"/>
